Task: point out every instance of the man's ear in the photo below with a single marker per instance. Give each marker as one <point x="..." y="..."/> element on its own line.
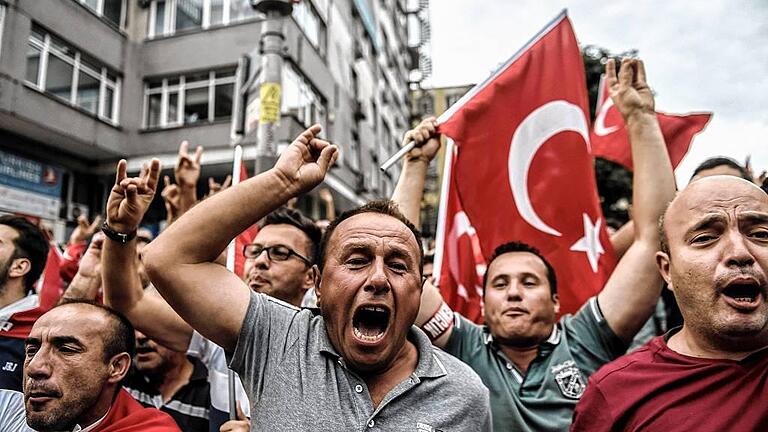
<point x="662" y="262"/>
<point x="309" y="278"/>
<point x="556" y="301"/>
<point x="316" y="279"/>
<point x="19" y="267"/>
<point x="118" y="367"/>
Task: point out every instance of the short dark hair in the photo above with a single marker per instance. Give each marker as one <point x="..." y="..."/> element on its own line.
<point x="515" y="246"/>
<point x="385" y="207"/>
<point x="31" y="244"/>
<point x="717" y="161"/>
<point x="119" y="337"/>
<point x="293" y="217"/>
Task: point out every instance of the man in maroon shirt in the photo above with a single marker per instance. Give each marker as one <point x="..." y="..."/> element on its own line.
<point x="711" y="374"/>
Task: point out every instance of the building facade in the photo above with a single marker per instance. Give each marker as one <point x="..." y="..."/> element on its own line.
<point x="84" y="83"/>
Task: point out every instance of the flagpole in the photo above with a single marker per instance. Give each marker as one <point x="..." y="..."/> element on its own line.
<point x="476" y="89"/>
<point x="236" y="164"/>
<point x="442" y="211"/>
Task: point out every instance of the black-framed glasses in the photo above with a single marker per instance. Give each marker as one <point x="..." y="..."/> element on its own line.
<point x="275" y="253"/>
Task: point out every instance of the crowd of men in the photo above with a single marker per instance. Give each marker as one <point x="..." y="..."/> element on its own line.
<point x="334" y="326"/>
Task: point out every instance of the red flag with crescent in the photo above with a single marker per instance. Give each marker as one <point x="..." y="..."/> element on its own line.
<point x="523" y="168"/>
<point x="611" y="141"/>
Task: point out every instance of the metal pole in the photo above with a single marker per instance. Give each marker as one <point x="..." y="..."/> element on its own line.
<point x="270" y="89"/>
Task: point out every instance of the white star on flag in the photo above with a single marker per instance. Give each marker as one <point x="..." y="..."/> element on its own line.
<point x="590" y="243"/>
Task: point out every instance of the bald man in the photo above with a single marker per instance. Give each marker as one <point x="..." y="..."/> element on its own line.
<point x="711" y="374"/>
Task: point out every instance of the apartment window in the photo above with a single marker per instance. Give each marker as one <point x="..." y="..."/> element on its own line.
<point x="53" y="66"/>
<point x="310" y="23"/>
<point x="189" y="99"/>
<point x="300" y="99"/>
<point x="111" y="10"/>
<point x="167" y="17"/>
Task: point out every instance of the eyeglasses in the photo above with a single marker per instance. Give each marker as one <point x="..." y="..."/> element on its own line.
<point x="275" y="253"/>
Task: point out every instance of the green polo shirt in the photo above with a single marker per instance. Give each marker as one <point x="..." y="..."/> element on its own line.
<point x="545" y="397"/>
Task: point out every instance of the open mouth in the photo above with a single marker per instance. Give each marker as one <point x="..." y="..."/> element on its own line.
<point x="743" y="293"/>
<point x="370" y="323"/>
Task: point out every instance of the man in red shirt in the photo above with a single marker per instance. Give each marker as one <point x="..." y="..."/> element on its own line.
<point x="712" y="373"/>
<point x="77" y="354"/>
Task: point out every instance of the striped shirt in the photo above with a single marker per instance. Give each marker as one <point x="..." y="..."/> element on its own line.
<point x="189" y="406"/>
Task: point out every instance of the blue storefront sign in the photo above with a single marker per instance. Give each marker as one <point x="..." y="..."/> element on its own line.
<point x="29" y="187"/>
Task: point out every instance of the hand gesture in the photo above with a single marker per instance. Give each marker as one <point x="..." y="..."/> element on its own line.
<point x="90" y="263"/>
<point x="84" y="230"/>
<point x="172" y="199"/>
<point x="130" y="197"/>
<point x="427" y="140"/>
<point x="305" y="162"/>
<point x="187" y="169"/>
<point x="630" y="92"/>
<point x="214" y="187"/>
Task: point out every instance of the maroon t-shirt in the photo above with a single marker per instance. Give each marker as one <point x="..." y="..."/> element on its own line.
<point x="657" y="389"/>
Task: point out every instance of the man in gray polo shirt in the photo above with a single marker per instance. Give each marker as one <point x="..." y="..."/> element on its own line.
<point x="535" y="366"/>
<point x="361" y="364"/>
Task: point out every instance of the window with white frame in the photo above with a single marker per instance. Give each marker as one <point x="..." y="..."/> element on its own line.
<point x="300" y="99"/>
<point x="111" y="10"/>
<point x="310" y="23"/>
<point x="189" y="99"/>
<point x="56" y="68"/>
<point x="167" y="17"/>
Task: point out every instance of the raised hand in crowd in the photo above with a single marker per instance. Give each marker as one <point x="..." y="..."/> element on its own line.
<point x="84" y="230"/>
<point x="410" y="186"/>
<point x="172" y="199"/>
<point x="131" y="196"/>
<point x="205" y="289"/>
<point x="215" y="187"/>
<point x="87" y="281"/>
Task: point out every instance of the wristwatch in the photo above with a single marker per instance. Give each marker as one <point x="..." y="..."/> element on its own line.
<point x="117" y="236"/>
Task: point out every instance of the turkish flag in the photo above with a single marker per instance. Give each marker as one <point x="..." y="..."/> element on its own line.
<point x="611" y="141"/>
<point x="523" y="169"/>
<point x="461" y="280"/>
<point x="246" y="237"/>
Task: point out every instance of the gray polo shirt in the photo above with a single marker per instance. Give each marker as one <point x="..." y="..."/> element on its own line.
<point x="296" y="380"/>
<point x="545" y="397"/>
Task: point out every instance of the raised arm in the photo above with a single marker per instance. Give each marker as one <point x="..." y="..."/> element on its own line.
<point x="410" y="185"/>
<point x="408" y="194"/>
<point x="87" y="281"/>
<point x="632" y="291"/>
<point x="180" y="261"/>
<point x="150" y="314"/>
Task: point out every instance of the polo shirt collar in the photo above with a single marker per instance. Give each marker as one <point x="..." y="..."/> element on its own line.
<point x="428" y="366"/>
<point x="552" y="340"/>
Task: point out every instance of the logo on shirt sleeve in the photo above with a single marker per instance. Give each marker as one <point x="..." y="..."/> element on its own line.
<point x="569" y="379"/>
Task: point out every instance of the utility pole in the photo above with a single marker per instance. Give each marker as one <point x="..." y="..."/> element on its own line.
<point x="270" y="78"/>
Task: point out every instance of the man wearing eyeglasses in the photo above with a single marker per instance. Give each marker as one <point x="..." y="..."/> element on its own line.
<point x="279" y="261"/>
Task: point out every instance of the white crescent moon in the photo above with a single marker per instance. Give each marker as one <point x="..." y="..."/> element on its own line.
<point x="539" y="126"/>
<point x="600" y="129"/>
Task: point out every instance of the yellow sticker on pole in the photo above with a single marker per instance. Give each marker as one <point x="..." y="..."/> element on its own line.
<point x="269" y="102"/>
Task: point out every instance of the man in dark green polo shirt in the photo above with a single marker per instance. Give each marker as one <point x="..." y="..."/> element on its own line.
<point x="535" y="366"/>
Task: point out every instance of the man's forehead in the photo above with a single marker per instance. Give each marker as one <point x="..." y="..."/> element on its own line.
<point x="7" y="233"/>
<point x="517" y="263"/>
<point x="367" y="227"/>
<point x="279" y="233"/>
<point x="718" y="193"/>
<point x="71" y="320"/>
